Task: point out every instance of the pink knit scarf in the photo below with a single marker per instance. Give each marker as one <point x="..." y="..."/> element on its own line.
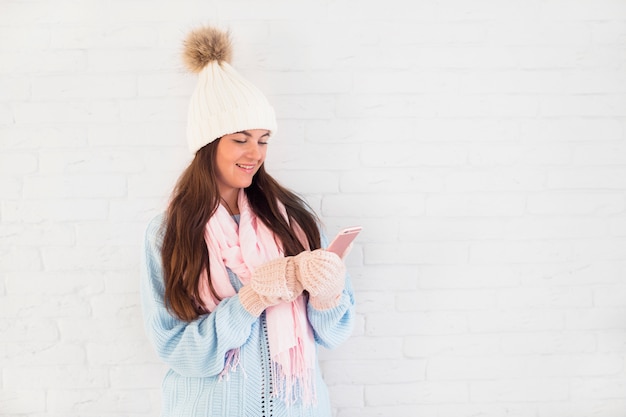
<point x="241" y="248"/>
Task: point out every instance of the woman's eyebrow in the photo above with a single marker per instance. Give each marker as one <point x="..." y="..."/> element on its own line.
<point x="248" y="134"/>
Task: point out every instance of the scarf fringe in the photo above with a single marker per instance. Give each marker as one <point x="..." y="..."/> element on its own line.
<point x="299" y="384"/>
<point x="232" y="361"/>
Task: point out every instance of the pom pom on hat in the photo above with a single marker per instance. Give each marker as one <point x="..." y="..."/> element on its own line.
<point x="223" y="102"/>
<point x="204" y="45"/>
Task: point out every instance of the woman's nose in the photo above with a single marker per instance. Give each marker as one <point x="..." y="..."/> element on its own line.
<point x="254" y="151"/>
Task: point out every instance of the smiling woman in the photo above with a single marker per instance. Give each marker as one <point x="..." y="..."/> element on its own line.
<point x="236" y="290"/>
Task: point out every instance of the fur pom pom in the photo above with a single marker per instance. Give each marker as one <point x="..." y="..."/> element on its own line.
<point x="204" y="45"/>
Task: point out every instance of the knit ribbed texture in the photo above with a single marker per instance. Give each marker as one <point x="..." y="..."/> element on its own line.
<point x="253" y="302"/>
<point x="195" y="352"/>
<point x="224" y="103"/>
<point x="322" y="274"/>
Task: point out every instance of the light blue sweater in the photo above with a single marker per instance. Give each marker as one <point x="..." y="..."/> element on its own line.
<point x="195" y="351"/>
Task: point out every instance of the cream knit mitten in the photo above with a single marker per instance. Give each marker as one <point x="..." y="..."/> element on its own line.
<point x="271" y="283"/>
<point x="322" y="274"/>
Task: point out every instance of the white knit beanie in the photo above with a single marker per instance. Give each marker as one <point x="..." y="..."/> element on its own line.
<point x="223" y="102"/>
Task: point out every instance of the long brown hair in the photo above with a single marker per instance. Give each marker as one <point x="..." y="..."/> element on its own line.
<point x="194" y="200"/>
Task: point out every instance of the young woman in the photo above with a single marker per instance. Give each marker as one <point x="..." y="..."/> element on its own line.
<point x="236" y="290"/>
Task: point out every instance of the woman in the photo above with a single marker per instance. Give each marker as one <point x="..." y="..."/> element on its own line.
<point x="236" y="290"/>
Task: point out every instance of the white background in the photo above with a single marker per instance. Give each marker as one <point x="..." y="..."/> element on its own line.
<point x="481" y="144"/>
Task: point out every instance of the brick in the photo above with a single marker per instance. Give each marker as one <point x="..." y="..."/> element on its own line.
<point x="99" y="35"/>
<point x="524" y="390"/>
<point x="24" y="330"/>
<point x="425" y="392"/>
<point x="44" y="233"/>
<point x="75" y="186"/>
<point x="139" y="134"/>
<point x="52" y="61"/>
<point x="21" y="401"/>
<point x="422" y="155"/>
<point x="598" y="318"/>
<point x="374" y="302"/>
<point x="155" y="110"/>
<point x="389" y="180"/>
<point x="17" y="258"/>
<point x="306" y="182"/>
<point x="56" y="377"/>
<point x="500" y="180"/>
<point x="48" y="306"/>
<point x="366" y="348"/>
<point x="24" y="37"/>
<point x="576" y="203"/>
<point x="89" y="162"/>
<point x="315" y="157"/>
<point x="445" y="346"/>
<point x="571" y="130"/>
<point x="436" y="300"/>
<point x="476" y="204"/>
<point x="580" y="272"/>
<point x="545" y="297"/>
<point x="539" y="33"/>
<point x="388" y="371"/>
<point x="15" y="88"/>
<point x="403" y="82"/>
<point x="10" y="189"/>
<point x="135" y="376"/>
<point x="529" y="154"/>
<point x="422" y="323"/>
<point x="84" y="401"/>
<point x="537" y="343"/>
<point x="609" y="296"/>
<point x="384" y="277"/>
<point x="305" y="107"/>
<point x="32" y="354"/>
<point x="372" y="205"/>
<point x="578" y="11"/>
<point x="54" y="284"/>
<point x="393" y="106"/>
<point x="70" y="112"/>
<point x="121" y="352"/>
<point x="347" y="396"/>
<point x="417" y="253"/>
<point x="522" y="252"/>
<point x="601" y="106"/>
<point x="32" y="211"/>
<point x="558" y="227"/>
<point x="446" y="228"/>
<point x="600" y="154"/>
<point x="582" y="408"/>
<point x="63" y="87"/>
<point x="515" y="320"/>
<point x="36" y="137"/>
<point x="18" y="163"/>
<point x="134" y="60"/>
<point x="111" y="258"/>
<point x="469" y="276"/>
<point x="608" y="32"/>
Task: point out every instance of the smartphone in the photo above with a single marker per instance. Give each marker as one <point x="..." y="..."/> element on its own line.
<point x="342" y="241"/>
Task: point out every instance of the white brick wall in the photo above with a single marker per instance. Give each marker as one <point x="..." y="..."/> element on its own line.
<point x="481" y="144"/>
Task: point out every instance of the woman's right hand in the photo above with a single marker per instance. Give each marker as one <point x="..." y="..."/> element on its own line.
<point x="271" y="283"/>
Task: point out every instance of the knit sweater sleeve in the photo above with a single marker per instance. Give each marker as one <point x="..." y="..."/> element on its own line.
<point x="196" y="348"/>
<point x="333" y="326"/>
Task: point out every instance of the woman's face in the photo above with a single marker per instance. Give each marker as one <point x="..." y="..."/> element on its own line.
<point x="239" y="156"/>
